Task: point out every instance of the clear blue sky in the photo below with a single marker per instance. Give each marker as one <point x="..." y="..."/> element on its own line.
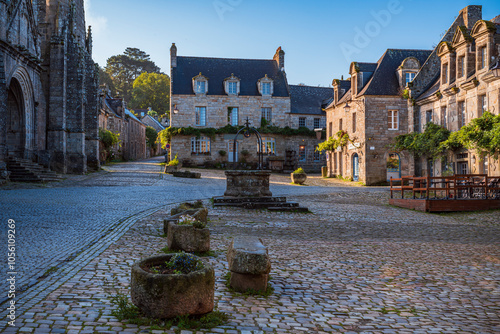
<point x="320" y="38"/>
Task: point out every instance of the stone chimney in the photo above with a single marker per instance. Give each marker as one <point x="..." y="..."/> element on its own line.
<point x="173" y="55"/>
<point x="279" y="57"/>
<point x="471" y="14"/>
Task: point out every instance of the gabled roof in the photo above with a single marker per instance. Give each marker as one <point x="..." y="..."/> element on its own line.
<point x="384" y="80"/>
<point x="309" y="100"/>
<point x="158" y="126"/>
<point x="129" y="113"/>
<point x="249" y="71"/>
<point x="113" y="104"/>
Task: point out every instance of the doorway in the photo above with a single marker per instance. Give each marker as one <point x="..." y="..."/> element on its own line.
<point x="355" y="167"/>
<point x="393" y="166"/>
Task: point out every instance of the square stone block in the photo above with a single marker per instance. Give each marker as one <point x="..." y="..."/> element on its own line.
<point x="244" y="282"/>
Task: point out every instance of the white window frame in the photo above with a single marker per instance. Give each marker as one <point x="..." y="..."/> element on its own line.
<point x="267" y="113"/>
<point x="304" y="120"/>
<point x="409" y="77"/>
<point x="233" y="116"/>
<point x="266" y="88"/>
<point x="232" y="87"/>
<point x="201" y="117"/>
<point x="200" y="145"/>
<point x="268" y="146"/>
<point x="393" y="119"/>
<point x="201" y="86"/>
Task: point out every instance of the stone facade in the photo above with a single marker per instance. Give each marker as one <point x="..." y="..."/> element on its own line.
<point x="48" y="85"/>
<point x="375" y="115"/>
<point x="240" y="92"/>
<point x="115" y="117"/>
<point x="155" y="124"/>
<point x="460" y="86"/>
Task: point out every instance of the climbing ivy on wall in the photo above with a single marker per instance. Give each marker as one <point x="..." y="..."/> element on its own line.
<point x="341" y="139"/>
<point x="166" y="135"/>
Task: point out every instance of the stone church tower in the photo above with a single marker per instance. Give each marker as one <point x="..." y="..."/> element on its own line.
<point x="48" y="85"/>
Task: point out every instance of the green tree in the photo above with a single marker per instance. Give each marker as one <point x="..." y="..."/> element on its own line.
<point x="151" y="90"/>
<point x="151" y="136"/>
<point x="125" y="68"/>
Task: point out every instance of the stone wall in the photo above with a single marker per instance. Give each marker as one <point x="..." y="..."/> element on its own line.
<point x="217" y="109"/>
<point x="371" y="140"/>
<point x="181" y="145"/>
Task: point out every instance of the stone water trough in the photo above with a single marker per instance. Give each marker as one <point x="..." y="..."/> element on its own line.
<point x="250" y="189"/>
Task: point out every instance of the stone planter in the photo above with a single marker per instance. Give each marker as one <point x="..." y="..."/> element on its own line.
<point x="166" y="296"/>
<point x="298" y="178"/>
<point x="187" y="238"/>
<point x="170" y="169"/>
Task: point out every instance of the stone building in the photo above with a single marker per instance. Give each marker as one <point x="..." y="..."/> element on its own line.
<point x="48" y="85"/>
<point x="455" y="85"/>
<point x="369" y="107"/>
<point x="153" y="122"/>
<point x="216" y="92"/>
<point x="115" y="117"/>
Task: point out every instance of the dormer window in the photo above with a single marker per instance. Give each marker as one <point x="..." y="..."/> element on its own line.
<point x="409" y="77"/>
<point x="461" y="66"/>
<point x="265" y="86"/>
<point x="200" y="84"/>
<point x="232" y="85"/>
<point x="232" y="88"/>
<point x="444" y="78"/>
<point x="482" y="57"/>
<point x="201" y="87"/>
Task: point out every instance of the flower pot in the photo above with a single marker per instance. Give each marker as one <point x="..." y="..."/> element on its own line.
<point x="170" y="295"/>
<point x="298" y="178"/>
<point x="187" y="238"/>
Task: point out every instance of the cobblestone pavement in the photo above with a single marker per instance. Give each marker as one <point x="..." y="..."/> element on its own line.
<point x="57" y="223"/>
<point x="355" y="265"/>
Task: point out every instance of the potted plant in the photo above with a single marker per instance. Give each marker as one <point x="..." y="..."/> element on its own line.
<point x="299" y="176"/>
<point x="172" y="165"/>
<point x="188" y="234"/>
<point x="171" y="285"/>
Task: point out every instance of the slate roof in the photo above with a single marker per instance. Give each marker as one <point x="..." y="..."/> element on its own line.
<point x="149" y="118"/>
<point x="309" y="100"/>
<point x="434" y="87"/>
<point x="113" y="105"/>
<point x="128" y="112"/>
<point x="367" y="67"/>
<point x="384" y="80"/>
<point x="249" y="71"/>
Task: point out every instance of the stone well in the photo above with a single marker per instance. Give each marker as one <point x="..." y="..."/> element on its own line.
<point x="248" y="183"/>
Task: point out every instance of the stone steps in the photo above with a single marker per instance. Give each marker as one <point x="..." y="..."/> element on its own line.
<point x="22" y="170"/>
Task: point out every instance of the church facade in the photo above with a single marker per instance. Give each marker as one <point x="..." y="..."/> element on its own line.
<point x="48" y="85"/>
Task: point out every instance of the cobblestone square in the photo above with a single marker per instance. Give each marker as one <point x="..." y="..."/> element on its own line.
<point x="353" y="265"/>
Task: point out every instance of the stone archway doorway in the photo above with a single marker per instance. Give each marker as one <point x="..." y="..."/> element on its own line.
<point x="16" y="121"/>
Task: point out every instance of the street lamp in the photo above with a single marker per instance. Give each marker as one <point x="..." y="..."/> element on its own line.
<point x="496" y="69"/>
<point x="347" y="107"/>
<point x="176" y="110"/>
